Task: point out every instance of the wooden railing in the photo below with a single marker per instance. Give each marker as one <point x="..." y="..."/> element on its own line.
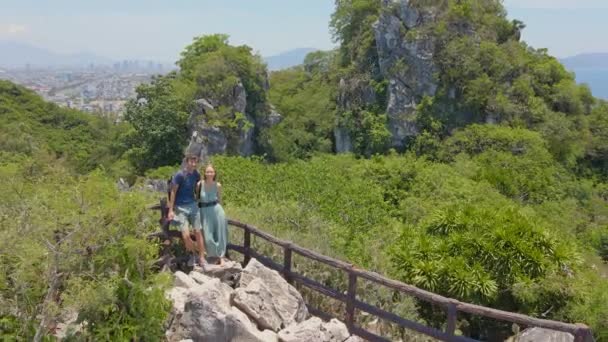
<point x="452" y="307"/>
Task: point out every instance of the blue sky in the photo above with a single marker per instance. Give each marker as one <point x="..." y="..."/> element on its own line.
<point x="159" y="29"/>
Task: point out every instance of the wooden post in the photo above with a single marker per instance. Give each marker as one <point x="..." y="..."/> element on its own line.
<point x="287" y="263"/>
<point x="451" y="326"/>
<point x="247" y="246"/>
<point x="164" y="213"/>
<point x="351" y="296"/>
<point x="166" y="239"/>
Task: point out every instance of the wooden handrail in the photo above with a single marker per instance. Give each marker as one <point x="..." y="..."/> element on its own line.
<point x="581" y="332"/>
<point x="452" y="306"/>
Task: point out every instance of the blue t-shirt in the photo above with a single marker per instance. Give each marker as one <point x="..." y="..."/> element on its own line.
<point x="186" y="184"/>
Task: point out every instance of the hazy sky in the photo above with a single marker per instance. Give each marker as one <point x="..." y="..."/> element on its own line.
<point x="159" y="29"/>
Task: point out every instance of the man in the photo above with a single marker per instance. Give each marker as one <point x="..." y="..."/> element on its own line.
<point x="183" y="210"/>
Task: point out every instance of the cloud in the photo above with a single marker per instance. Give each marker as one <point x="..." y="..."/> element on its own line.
<point x="557" y="4"/>
<point x="12" y="29"/>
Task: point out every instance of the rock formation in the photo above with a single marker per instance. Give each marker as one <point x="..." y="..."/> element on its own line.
<point x="207" y="139"/>
<point x="541" y="335"/>
<point x="262" y="307"/>
<point x="405" y="60"/>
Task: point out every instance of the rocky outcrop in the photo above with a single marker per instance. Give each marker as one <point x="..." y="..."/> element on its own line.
<point x="268" y="298"/>
<point x="353" y="94"/>
<point x="542" y="335"/>
<point x="263" y="307"/>
<point x="343" y="140"/>
<point x="405" y="61"/>
<point x="296" y="308"/>
<point x="405" y="56"/>
<point x="207" y="139"/>
<point x="314" y="329"/>
<point x="202" y="312"/>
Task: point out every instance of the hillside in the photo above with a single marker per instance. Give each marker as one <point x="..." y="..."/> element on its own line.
<point x="433" y="146"/>
<point x="29" y="126"/>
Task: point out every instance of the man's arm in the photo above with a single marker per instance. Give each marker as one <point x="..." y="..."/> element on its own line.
<point x="171" y="202"/>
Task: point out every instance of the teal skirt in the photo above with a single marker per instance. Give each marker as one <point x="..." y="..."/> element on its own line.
<point x="215" y="230"/>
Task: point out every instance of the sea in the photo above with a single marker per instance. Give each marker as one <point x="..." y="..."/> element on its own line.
<point x="596" y="78"/>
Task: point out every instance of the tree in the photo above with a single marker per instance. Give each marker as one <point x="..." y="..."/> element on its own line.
<point x="159" y="118"/>
<point x="351" y="26"/>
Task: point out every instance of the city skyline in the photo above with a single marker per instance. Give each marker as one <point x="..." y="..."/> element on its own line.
<point x="158" y="30"/>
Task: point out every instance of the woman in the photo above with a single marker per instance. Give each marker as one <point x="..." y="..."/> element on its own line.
<point x="215" y="230"/>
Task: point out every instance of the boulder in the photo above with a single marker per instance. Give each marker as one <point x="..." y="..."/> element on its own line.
<point x="68" y="325"/>
<point x="241" y="329"/>
<point x="314" y="329"/>
<point x="122" y="185"/>
<point x="285" y="298"/>
<point x="200" y="278"/>
<point x="257" y="302"/>
<point x="156" y="185"/>
<point x="542" y="335"/>
<point x="204" y="312"/>
<point x="183" y="280"/>
<point x="228" y="273"/>
<point x="178" y="296"/>
<point x="208" y="316"/>
<point x="272" y="118"/>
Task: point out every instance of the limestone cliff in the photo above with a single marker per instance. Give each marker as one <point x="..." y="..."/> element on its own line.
<point x="207" y="137"/>
<point x="404" y="61"/>
<point x="405" y="57"/>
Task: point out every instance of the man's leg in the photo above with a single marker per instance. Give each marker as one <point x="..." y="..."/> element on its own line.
<point x="198" y="233"/>
<point x="188" y="243"/>
<point x="181" y="216"/>
<point x="201" y="246"/>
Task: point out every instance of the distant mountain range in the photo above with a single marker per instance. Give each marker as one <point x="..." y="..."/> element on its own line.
<point x="287" y="59"/>
<point x="13" y="54"/>
<point x="592" y="69"/>
<point x="586" y="60"/>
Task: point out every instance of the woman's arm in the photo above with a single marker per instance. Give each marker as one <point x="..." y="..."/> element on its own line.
<point x="219" y="193"/>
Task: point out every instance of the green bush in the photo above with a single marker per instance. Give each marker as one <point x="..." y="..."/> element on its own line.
<point x="86" y="238"/>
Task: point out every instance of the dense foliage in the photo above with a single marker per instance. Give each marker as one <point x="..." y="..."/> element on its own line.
<point x="29" y="125"/>
<point x="446" y="227"/>
<point x="302" y="93"/>
<point x="484" y="74"/>
<point x="210" y="69"/>
<point x="74" y="245"/>
<point x="500" y="200"/>
<point x="486" y="213"/>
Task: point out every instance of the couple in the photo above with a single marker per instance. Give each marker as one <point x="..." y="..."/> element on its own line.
<point x="195" y="203"/>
